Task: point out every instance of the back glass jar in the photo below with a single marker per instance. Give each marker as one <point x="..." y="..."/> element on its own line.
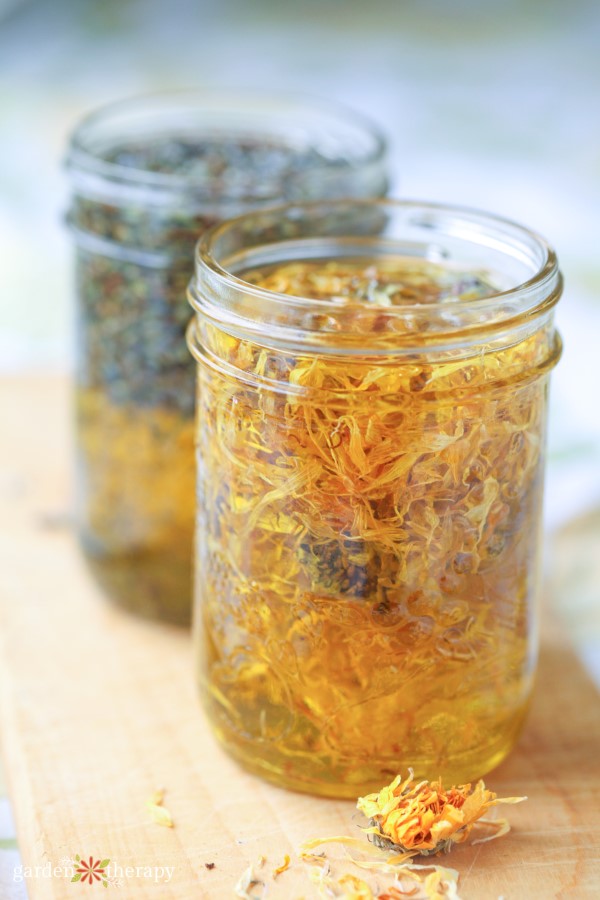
<point x="148" y="176"/>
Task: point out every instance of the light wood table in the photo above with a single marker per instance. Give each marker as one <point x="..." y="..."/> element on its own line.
<point x="98" y="710"/>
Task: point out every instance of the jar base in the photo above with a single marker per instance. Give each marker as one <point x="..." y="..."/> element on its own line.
<point x="149" y="584"/>
<point x="354" y="779"/>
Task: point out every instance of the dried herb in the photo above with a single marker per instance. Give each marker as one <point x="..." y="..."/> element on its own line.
<point x="368" y="538"/>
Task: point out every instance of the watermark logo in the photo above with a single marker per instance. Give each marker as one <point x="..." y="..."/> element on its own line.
<point x="91" y="870"/>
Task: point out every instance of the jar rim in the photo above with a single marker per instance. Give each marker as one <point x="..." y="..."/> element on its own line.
<point x="83" y="161"/>
<point x="463" y="320"/>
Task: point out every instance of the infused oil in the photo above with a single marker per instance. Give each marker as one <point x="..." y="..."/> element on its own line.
<point x="368" y="523"/>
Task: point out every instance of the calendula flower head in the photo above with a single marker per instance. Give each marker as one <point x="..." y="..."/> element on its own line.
<point x="424" y="817"/>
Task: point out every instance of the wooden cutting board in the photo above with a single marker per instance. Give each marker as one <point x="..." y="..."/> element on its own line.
<point x="98" y="710"/>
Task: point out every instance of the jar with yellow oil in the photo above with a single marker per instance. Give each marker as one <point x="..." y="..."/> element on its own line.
<point x="148" y="176"/>
<point x="371" y="413"/>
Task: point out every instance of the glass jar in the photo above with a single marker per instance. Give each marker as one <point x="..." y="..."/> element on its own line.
<point x="371" y="413"/>
<point x="148" y="176"/>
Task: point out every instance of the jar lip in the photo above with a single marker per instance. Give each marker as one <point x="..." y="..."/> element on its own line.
<point x="547" y="273"/>
<point x="81" y="158"/>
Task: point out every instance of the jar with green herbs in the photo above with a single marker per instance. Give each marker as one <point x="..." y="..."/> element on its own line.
<point x="372" y="397"/>
<point x="148" y="176"/>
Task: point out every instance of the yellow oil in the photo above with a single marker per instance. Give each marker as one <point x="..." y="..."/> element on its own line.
<point x="135" y="516"/>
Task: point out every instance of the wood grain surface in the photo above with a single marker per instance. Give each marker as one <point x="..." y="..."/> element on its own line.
<point x="98" y="710"/>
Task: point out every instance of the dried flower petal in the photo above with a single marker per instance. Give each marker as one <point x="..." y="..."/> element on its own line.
<point x="356" y="888"/>
<point x="159" y="813"/>
<point x="441" y="883"/>
<point x="396" y="893"/>
<point x="501" y="827"/>
<point x="283" y="867"/>
<point x="245" y="884"/>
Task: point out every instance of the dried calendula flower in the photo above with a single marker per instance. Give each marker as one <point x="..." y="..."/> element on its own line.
<point x="159" y="813"/>
<point x="425" y="818"/>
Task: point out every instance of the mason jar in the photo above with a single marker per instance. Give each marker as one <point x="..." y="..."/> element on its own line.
<point x="371" y="414"/>
<point x="148" y="176"/>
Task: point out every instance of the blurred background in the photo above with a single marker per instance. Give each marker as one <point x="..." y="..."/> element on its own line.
<point x="491" y="105"/>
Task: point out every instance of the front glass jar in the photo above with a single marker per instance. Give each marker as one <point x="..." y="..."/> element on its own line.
<point x="371" y="414"/>
<point x="148" y="176"/>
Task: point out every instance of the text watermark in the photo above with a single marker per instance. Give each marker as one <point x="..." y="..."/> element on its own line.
<point x="91" y="870"/>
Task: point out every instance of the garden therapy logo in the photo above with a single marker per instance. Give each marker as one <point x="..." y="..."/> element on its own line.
<point x="91" y="870"/>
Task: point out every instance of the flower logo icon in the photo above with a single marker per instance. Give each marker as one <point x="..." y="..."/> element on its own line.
<point x="91" y="871"/>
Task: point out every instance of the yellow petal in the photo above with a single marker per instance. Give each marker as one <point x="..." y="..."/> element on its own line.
<point x="282" y="868"/>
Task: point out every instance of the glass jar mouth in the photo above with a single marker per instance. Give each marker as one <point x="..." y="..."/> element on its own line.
<point x="530" y="281"/>
<point x="350" y="142"/>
